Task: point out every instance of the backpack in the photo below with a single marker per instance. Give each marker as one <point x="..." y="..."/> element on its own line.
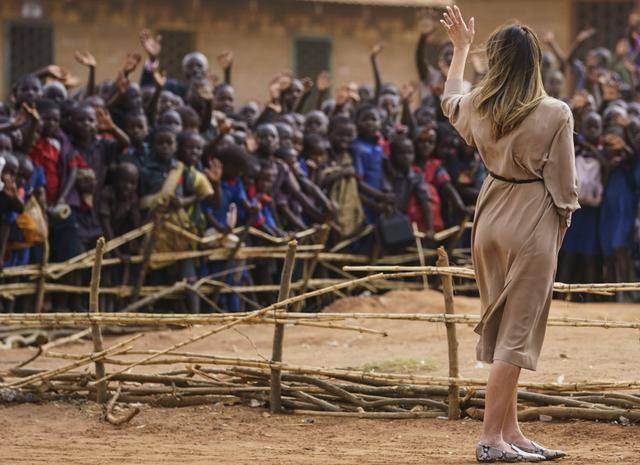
<point x="589" y="181"/>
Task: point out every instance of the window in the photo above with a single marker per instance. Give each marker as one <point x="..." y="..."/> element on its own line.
<point x="175" y="45"/>
<point x="30" y="47"/>
<point x="312" y="55"/>
<point x="609" y="18"/>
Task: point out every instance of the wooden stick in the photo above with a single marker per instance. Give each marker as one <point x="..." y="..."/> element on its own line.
<point x="108" y="411"/>
<point x="149" y="244"/>
<point x="369" y="415"/>
<point x="43" y="276"/>
<point x="278" y="334"/>
<point x="114" y="350"/>
<point x="96" y="334"/>
<point x="416" y="231"/>
<point x="452" y="341"/>
<point x="310" y="266"/>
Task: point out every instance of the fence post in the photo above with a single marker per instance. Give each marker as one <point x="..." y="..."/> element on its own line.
<point x="452" y="341"/>
<point x="423" y="262"/>
<point x="42" y="279"/>
<point x="96" y="334"/>
<point x="278" y="334"/>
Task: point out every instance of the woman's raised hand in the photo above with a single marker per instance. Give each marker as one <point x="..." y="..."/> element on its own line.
<point x="460" y="34"/>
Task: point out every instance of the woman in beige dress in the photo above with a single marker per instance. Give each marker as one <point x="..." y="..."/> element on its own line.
<point x="525" y="139"/>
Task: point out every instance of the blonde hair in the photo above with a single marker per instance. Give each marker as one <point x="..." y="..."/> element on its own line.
<point x="512" y="87"/>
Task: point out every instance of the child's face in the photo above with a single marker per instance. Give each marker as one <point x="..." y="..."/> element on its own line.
<point x="315" y="124"/>
<point x="555" y="83"/>
<point x="85" y="122"/>
<point x="50" y="122"/>
<point x="172" y="119"/>
<point x="10" y="171"/>
<point x="402" y="155"/>
<point x="249" y="113"/>
<point x="265" y="180"/>
<point x="5" y="143"/>
<point x="54" y="93"/>
<point x="137" y="128"/>
<point x="191" y="150"/>
<point x="426" y="144"/>
<point x="285" y="135"/>
<point x="592" y="128"/>
<point x="268" y="141"/>
<point x="369" y="123"/>
<point x="224" y="99"/>
<point x="29" y="91"/>
<point x="133" y="98"/>
<point x="318" y="152"/>
<point x="126" y="182"/>
<point x="164" y="146"/>
<point x="342" y="137"/>
<point x="25" y="171"/>
<point x="292" y="94"/>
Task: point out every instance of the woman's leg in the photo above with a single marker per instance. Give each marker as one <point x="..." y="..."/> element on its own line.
<point x="511" y="432"/>
<point x="503" y="380"/>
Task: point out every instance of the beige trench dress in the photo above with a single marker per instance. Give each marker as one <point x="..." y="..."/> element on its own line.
<point x="518" y="227"/>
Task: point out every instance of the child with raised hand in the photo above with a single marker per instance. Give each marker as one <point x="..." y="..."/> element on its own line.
<point x="98" y="152"/>
<point x="339" y="180"/>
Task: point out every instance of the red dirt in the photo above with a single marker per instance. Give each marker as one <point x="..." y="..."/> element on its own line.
<point x="65" y="433"/>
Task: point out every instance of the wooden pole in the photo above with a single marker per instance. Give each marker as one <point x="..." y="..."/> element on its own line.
<point x="149" y="245"/>
<point x="43" y="276"/>
<point x="96" y="333"/>
<point x="452" y="341"/>
<point x="416" y="233"/>
<point x="310" y="266"/>
<point x="278" y="334"/>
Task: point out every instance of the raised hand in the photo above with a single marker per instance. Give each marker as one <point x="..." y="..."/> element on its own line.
<point x="376" y="49"/>
<point x="131" y="63"/>
<point x="85" y="59"/>
<point x="151" y="45"/>
<point x="31" y="111"/>
<point x="57" y="72"/>
<point x="159" y="77"/>
<point x="459" y="33"/>
<point x="307" y="85"/>
<point x="122" y="83"/>
<point x="225" y="59"/>
<point x="407" y="90"/>
<point x="105" y="123"/>
<point x="584" y="35"/>
<point x="323" y="81"/>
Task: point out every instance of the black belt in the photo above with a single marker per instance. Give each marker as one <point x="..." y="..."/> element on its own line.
<point x="514" y="181"/>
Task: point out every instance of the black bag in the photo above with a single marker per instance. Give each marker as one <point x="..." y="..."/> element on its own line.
<point x="395" y="230"/>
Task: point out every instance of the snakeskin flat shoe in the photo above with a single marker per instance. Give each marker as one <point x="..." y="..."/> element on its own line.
<point x="548" y="454"/>
<point x="489" y="454"/>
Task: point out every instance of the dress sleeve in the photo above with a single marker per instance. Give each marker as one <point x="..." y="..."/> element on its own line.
<point x="456" y="106"/>
<point x="559" y="170"/>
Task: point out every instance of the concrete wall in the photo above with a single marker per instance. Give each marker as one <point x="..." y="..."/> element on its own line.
<point x="262" y="32"/>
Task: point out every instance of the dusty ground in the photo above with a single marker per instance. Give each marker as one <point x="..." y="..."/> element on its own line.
<point x="59" y="433"/>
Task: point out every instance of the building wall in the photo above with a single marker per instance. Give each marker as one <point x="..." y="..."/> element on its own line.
<point x="262" y="32"/>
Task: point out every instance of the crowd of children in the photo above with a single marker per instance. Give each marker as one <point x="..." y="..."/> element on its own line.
<point x="111" y="156"/>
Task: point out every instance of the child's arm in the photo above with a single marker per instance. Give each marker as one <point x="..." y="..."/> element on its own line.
<point x="550" y="40"/>
<point x="314" y="191"/>
<point x="159" y="80"/>
<point x="421" y="62"/>
<point x="323" y="83"/>
<point x="216" y="224"/>
<point x="88" y="60"/>
<point x="407" y="119"/>
<point x="578" y="43"/>
<point x="292" y="217"/>
<point x="454" y="197"/>
<point x="422" y="196"/>
<point x="30" y="130"/>
<point x="307" y="84"/>
<point x="68" y="186"/>
<point x="105" y="123"/>
<point x="225" y="60"/>
<point x="375" y="51"/>
<point x="153" y="47"/>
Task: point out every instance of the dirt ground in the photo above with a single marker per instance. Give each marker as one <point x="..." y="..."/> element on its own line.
<point x="71" y="433"/>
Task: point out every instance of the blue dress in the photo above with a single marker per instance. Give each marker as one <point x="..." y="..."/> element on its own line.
<point x="619" y="208"/>
<point x="582" y="236"/>
<point x="367" y="162"/>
